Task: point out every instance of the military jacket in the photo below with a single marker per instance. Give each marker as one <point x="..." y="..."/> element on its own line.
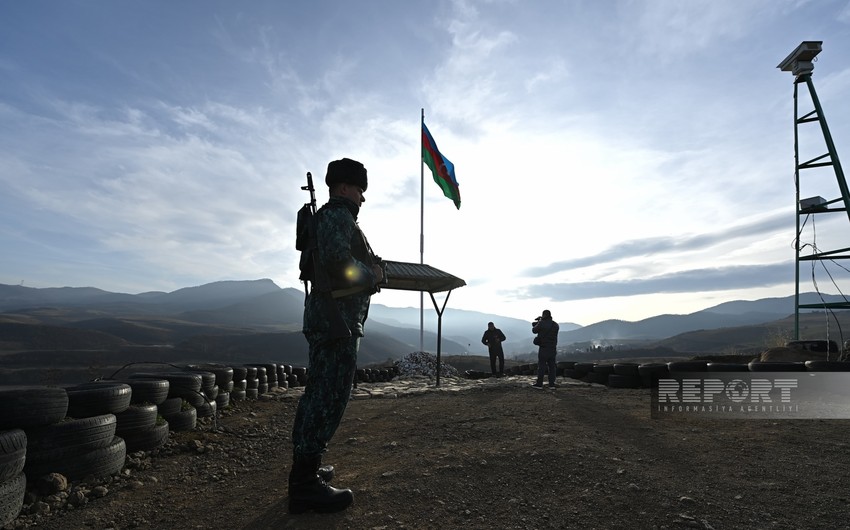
<point x="343" y="253"/>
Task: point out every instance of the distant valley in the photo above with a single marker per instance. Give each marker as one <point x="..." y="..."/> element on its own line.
<point x="257" y="321"/>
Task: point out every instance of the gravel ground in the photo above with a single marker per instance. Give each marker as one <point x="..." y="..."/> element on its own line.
<point x="495" y="456"/>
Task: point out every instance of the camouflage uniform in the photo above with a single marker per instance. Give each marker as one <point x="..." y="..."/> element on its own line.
<point x="344" y="254"/>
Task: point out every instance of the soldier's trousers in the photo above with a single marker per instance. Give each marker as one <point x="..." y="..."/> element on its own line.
<point x="330" y="376"/>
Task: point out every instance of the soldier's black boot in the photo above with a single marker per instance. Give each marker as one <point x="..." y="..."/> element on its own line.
<point x="326" y="472"/>
<point x="309" y="491"/>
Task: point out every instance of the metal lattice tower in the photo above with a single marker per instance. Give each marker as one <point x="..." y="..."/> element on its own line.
<point x="799" y="63"/>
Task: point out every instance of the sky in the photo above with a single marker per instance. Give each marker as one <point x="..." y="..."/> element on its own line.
<point x="617" y="159"/>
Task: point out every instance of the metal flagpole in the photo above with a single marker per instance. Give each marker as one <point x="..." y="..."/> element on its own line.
<point x="421" y="232"/>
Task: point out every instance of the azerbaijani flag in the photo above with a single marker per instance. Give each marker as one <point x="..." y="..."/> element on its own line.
<point x="441" y="168"/>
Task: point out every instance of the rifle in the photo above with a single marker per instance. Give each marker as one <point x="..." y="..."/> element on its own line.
<point x="310" y="268"/>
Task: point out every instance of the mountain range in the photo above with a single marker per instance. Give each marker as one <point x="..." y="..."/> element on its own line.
<point x="230" y="315"/>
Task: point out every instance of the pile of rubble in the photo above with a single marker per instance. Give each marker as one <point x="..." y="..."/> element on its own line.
<point x="423" y="363"/>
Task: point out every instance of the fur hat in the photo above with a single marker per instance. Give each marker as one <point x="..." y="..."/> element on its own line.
<point x="348" y="171"/>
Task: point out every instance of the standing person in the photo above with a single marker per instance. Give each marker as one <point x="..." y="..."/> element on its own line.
<point x="546" y="330"/>
<point x="493" y="338"/>
<point x="344" y="255"/>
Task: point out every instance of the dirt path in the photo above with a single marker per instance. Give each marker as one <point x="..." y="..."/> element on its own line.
<point x="499" y="456"/>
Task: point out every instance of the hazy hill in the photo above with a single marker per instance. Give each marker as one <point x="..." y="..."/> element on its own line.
<point x="755" y="338"/>
<point x="238" y="309"/>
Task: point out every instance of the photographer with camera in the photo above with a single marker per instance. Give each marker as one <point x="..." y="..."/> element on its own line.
<point x="345" y="275"/>
<point x="546" y="340"/>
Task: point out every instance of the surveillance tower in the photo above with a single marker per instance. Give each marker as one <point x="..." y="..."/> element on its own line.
<point x="800" y="64"/>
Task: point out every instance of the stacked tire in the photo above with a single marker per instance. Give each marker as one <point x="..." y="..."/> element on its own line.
<point x="600" y="374"/>
<point x="271" y="375"/>
<point x="84" y="442"/>
<point x="138" y="424"/>
<point x="252" y="381"/>
<point x="24" y="407"/>
<point x="223" y="380"/>
<point x="209" y="393"/>
<point x="299" y="376"/>
<point x="281" y="376"/>
<point x="240" y="383"/>
<point x="650" y="371"/>
<point x="262" y="377"/>
<point x="182" y="387"/>
<point x="583" y="370"/>
<point x="179" y="413"/>
<point x="625" y="375"/>
<point x="141" y="429"/>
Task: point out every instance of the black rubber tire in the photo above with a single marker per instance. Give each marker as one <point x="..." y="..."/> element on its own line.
<point x="260" y="372"/>
<point x="12" y="493"/>
<point x="251" y="393"/>
<point x="624" y="381"/>
<point x="572" y="374"/>
<point x="212" y="393"/>
<point x="239" y="373"/>
<point x="605" y="369"/>
<point x="649" y="370"/>
<point x="179" y="382"/>
<point x="227" y="387"/>
<point x="263" y="388"/>
<point x="727" y="367"/>
<point x="239" y="384"/>
<point x="100" y="462"/>
<point x="828" y="366"/>
<point x="302" y="370"/>
<point x="76" y="435"/>
<point x="598" y="378"/>
<point x="207" y="378"/>
<point x="250" y="371"/>
<point x="182" y="420"/>
<point x="223" y="374"/>
<point x="148" y="390"/>
<point x="627" y="369"/>
<point x="222" y="400"/>
<point x="687" y="366"/>
<point x="207" y="410"/>
<point x="186" y="385"/>
<point x="136" y="417"/>
<point x="271" y="371"/>
<point x="13" y="451"/>
<point x="237" y="395"/>
<point x="147" y="438"/>
<point x="31" y="406"/>
<point x="584" y="367"/>
<point x="777" y="366"/>
<point x="196" y="400"/>
<point x="170" y="406"/>
<point x="252" y="383"/>
<point x="653" y="368"/>
<point x="98" y="398"/>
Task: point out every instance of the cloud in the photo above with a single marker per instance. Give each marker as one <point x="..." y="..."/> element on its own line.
<point x="658" y="245"/>
<point x="691" y="281"/>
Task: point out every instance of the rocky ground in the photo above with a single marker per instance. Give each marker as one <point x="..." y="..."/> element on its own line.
<point x="494" y="455"/>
